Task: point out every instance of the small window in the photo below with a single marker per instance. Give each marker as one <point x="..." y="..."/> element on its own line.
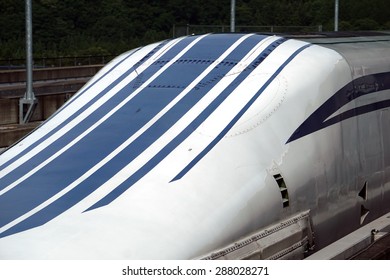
<point x="283" y="189"/>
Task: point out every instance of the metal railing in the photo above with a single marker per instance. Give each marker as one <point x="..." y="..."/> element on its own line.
<point x="182" y="30"/>
<point x="62" y="61"/>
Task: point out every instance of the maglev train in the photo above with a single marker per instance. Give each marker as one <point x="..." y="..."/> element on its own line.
<point x="196" y="147"/>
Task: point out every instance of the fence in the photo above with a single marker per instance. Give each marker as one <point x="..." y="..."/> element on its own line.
<point x="178" y="30"/>
<point x="43" y="62"/>
<point x="182" y="30"/>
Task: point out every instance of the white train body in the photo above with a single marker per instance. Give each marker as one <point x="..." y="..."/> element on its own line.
<point x="179" y="148"/>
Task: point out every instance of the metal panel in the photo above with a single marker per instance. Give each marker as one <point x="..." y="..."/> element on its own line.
<point x="290" y="238"/>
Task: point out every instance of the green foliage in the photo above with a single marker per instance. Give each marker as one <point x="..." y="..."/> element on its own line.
<point x="366" y="24"/>
<point x="99" y="27"/>
<point x="345" y="26"/>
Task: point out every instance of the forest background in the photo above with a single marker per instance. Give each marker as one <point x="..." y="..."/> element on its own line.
<point x="105" y="27"/>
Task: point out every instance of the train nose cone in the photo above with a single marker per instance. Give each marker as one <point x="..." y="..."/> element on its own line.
<point x="188" y="170"/>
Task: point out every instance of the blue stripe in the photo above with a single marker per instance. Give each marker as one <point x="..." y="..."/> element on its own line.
<point x="359" y="111"/>
<point x="236" y="118"/>
<point x="187" y="131"/>
<point x="66" y="105"/>
<point x="96" y="145"/>
<point x="361" y="86"/>
<point x="87" y="105"/>
<point x="92" y="118"/>
<point x="180" y="72"/>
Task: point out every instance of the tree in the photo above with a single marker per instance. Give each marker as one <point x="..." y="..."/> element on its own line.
<point x="68" y="27"/>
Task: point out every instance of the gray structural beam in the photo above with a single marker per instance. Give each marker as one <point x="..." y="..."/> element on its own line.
<point x="28" y="103"/>
<point x="233" y="16"/>
<point x="336" y="15"/>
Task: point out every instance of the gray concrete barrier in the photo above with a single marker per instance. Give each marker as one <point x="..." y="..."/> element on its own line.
<point x="54" y="73"/>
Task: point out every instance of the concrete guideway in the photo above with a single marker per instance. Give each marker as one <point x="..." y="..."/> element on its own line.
<point x="368" y="242"/>
<point x="52" y="73"/>
<point x="9" y="134"/>
<point x="52" y="87"/>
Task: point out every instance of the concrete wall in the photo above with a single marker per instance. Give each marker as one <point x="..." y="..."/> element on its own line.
<point x="47" y="105"/>
<point x="54" y="73"/>
<point x="10" y="134"/>
<point x="11" y="130"/>
<point x="52" y="87"/>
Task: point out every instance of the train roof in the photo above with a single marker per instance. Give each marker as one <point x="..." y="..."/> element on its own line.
<point x="365" y="52"/>
<point x="339" y="37"/>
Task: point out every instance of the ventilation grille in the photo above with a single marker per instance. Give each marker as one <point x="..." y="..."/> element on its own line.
<point x="283" y="189"/>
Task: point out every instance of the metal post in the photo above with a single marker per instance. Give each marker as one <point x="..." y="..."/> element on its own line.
<point x="29" y="59"/>
<point x="29" y="99"/>
<point x="233" y="16"/>
<point x="336" y="15"/>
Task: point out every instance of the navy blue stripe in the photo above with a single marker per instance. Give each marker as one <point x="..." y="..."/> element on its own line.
<point x="236" y="118"/>
<point x="361" y="86"/>
<point x="74" y="114"/>
<point x="90" y="150"/>
<point x="359" y="111"/>
<point x="187" y="131"/>
<point x="135" y="66"/>
<point x="111" y="168"/>
<point x="183" y="71"/>
<point x="92" y="118"/>
<point x="87" y="105"/>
